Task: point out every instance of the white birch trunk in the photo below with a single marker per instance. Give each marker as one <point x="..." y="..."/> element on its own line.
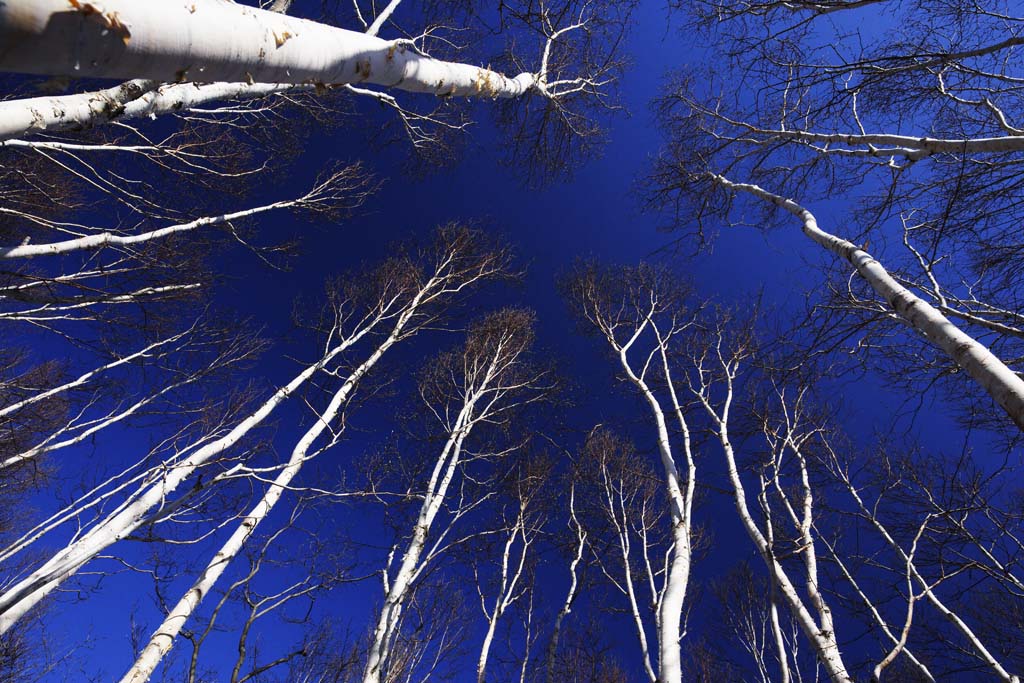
<point x="134" y="99"/>
<point x="927" y="588"/>
<point x="86" y="377"/>
<point x="570" y="597"/>
<point x="886" y="144"/>
<point x="822" y="640"/>
<point x="163" y="638"/>
<point x="616" y="504"/>
<point x="215" y="40"/>
<point x="676" y="582"/>
<point x="485" y="648"/>
<point x="1004" y="385"/>
<point x="506" y="591"/>
<point x="398" y="589"/>
<point x="69" y="112"/>
<point x="481" y="386"/>
<point x="26" y="593"/>
<point x="109" y="239"/>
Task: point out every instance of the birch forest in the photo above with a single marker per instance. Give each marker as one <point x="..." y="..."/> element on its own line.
<point x="530" y="341"/>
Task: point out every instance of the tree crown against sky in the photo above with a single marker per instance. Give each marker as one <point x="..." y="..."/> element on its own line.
<point x="779" y="442"/>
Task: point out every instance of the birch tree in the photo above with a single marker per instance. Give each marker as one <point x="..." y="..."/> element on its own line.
<point x="914" y="131"/>
<point x="405" y="300"/>
<point x="798" y="503"/>
<point x="465" y="390"/>
<point x="930" y="554"/>
<point x="405" y="288"/>
<point x="579" y="547"/>
<point x="640" y="312"/>
<point x="171" y="42"/>
<point x="522" y="525"/>
<point x="713" y="383"/>
<point x="280" y="55"/>
<point x="634" y="555"/>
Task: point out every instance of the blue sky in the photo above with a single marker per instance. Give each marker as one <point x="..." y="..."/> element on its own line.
<point x="598" y="213"/>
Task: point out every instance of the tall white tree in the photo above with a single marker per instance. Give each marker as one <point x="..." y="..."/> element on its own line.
<point x="405" y="295"/>
<point x="459" y="261"/>
<point x="913" y="141"/>
<point x="640" y="312"/>
<point x="465" y="390"/>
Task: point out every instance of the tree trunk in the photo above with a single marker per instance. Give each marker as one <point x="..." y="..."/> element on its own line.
<point x="22" y="596"/>
<point x="163" y="638"/>
<point x="1001" y="383"/>
<point x="214" y="40"/>
<point x="398" y="590"/>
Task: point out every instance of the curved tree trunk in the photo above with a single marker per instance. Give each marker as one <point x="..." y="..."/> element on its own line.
<point x="1001" y="383"/>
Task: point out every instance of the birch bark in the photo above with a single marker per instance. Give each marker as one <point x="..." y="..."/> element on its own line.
<point x="570" y="596"/>
<point x="26" y="593"/>
<point x="821" y="636"/>
<point x="1001" y="383"/>
<point x="175" y="41"/>
<point x="459" y="259"/>
<point x="163" y="638"/>
<point x="489" y="368"/>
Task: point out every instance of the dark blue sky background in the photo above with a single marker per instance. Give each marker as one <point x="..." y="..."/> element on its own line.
<point x="596" y="213"/>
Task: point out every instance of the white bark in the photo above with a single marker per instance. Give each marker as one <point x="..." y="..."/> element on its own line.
<point x="1004" y="386"/>
<point x="398" y="588"/>
<point x="802" y="519"/>
<point x="888" y="145"/>
<point x="643" y="313"/>
<point x="77" y="433"/>
<point x="615" y="501"/>
<point x="570" y="596"/>
<point x="482" y="391"/>
<point x="674" y="594"/>
<point x="214" y="40"/>
<point x="69" y="112"/>
<point x="88" y="376"/>
<point x="109" y="239"/>
<point x="136" y="99"/>
<point x="26" y="593"/>
<point x="823" y="640"/>
<point x="926" y="587"/>
<point x="163" y="638"/>
<point x="508" y="591"/>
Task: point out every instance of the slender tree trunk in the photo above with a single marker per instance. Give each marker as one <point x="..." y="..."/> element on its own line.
<point x="570" y="597"/>
<point x="163" y="638"/>
<point x="671" y="609"/>
<point x="86" y="377"/>
<point x="25" y="594"/>
<point x="506" y="590"/>
<point x="398" y="589"/>
<point x="485" y="649"/>
<point x="1001" y="383"/>
<point x="109" y="239"/>
<point x="669" y="652"/>
<point x="823" y="641"/>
